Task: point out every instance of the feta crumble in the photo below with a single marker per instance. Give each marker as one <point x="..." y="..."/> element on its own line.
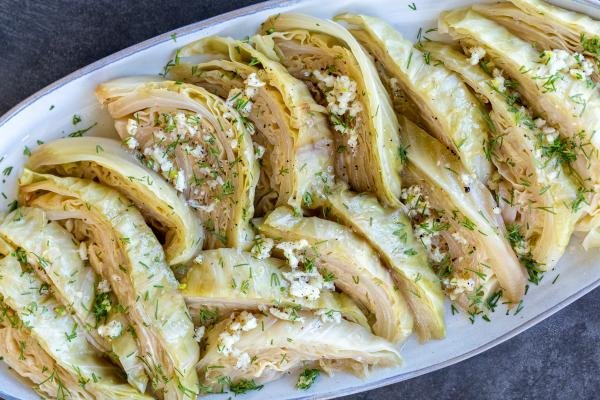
<point x="291" y="251"/>
<point x="199" y="333"/>
<point x="262" y="247"/>
<point x="111" y="330"/>
<point x="103" y="286"/>
<point x="477" y="53"/>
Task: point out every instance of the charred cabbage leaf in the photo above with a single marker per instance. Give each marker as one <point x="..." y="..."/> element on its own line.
<point x="225" y="280"/>
<point x="445" y="105"/>
<point x="291" y="128"/>
<point x="537" y="197"/>
<point x="389" y="231"/>
<point x="550" y="84"/>
<point x="276" y="346"/>
<point x="104" y="160"/>
<point x="199" y="143"/>
<point x="356" y="268"/>
<point x="130" y="258"/>
<point x="58" y="333"/>
<point x="453" y="215"/>
<point x="342" y="78"/>
<point x="60" y="264"/>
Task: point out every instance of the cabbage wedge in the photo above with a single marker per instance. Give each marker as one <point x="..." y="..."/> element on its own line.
<point x="550" y="87"/>
<point x="356" y="268"/>
<point x="388" y="230"/>
<point x="130" y="258"/>
<point x="226" y="280"/>
<point x="104" y="160"/>
<point x="446" y="107"/>
<point x="290" y="126"/>
<point x="453" y="215"/>
<point x="537" y="197"/>
<point x="58" y="261"/>
<point x="342" y="78"/>
<point x="548" y="27"/>
<point x="58" y="333"/>
<point x="278" y="347"/>
<point x="26" y="357"/>
<point x="201" y="145"/>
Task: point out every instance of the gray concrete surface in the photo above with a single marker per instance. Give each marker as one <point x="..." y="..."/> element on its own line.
<point x="41" y="41"/>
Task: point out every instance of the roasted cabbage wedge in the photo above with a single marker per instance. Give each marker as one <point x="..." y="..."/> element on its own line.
<point x="60" y="336"/>
<point x="552" y="87"/>
<point x="291" y="128"/>
<point x="226" y="280"/>
<point x="352" y="265"/>
<point x="343" y="79"/>
<point x="130" y="258"/>
<point x="389" y="232"/>
<point x="453" y="215"/>
<point x="21" y="352"/>
<point x="538" y="199"/>
<point x="548" y="27"/>
<point x="199" y="143"/>
<point x="445" y="105"/>
<point x="104" y="160"/>
<point x="276" y="347"/>
<point x="59" y="262"/>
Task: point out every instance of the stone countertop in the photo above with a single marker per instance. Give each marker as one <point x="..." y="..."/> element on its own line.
<point x="42" y="41"/>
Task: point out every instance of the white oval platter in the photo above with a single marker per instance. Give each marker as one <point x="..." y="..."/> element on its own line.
<point x="48" y="114"/>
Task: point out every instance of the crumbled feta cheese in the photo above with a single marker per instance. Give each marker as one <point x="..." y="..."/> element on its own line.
<point x="353" y="140"/>
<point x="243" y="361"/>
<point x="132" y="127"/>
<point x="559" y="60"/>
<point x="83" y="253"/>
<point x="539" y="122"/>
<point x="183" y="125"/>
<point x="259" y="151"/>
<point x="226" y="342"/>
<point x="245" y="321"/>
<point x="342" y="95"/>
<point x="262" y="247"/>
<point x="254" y="81"/>
<point x="496" y="210"/>
<point x="414" y="201"/>
<point x="103" y="286"/>
<point x="458" y="286"/>
<point x="477" y="53"/>
<point x="435" y="254"/>
<point x="498" y="83"/>
<point x="111" y="330"/>
<point x="131" y="142"/>
<point x="303" y="289"/>
<point x="199" y="333"/>
<point x="199" y="258"/>
<point x="198" y="152"/>
<point x="180" y="183"/>
<point x="248" y="321"/>
<point x="291" y="250"/>
<point x="162" y="161"/>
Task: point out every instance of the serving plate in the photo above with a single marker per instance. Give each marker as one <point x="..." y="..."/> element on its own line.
<point x="48" y="115"/>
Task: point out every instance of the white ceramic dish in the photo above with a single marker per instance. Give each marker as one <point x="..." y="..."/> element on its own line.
<point x="48" y="113"/>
